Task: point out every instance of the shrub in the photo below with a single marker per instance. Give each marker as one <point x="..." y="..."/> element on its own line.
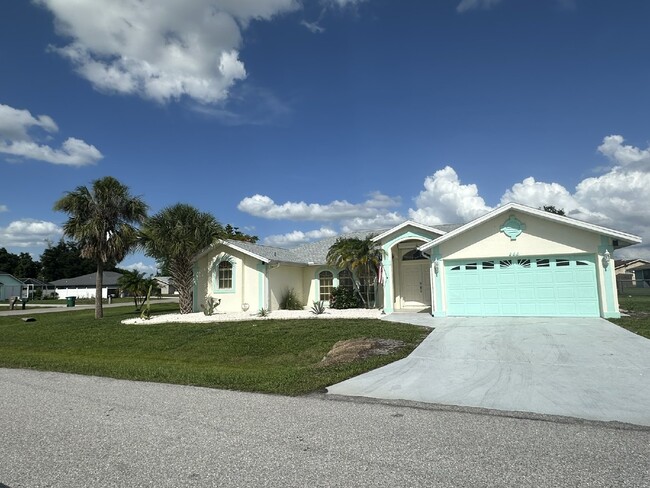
<point x="342" y="298"/>
<point x="290" y="300"/>
<point x="264" y="312"/>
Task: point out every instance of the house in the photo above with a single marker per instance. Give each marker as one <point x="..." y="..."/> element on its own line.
<point x="84" y="286"/>
<point x="37" y="287"/>
<point x="11" y="286"/>
<point x="166" y="285"/>
<point x="512" y="261"/>
<point x="632" y="273"/>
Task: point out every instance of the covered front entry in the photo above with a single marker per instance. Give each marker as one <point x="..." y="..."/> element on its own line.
<point x="413" y="283"/>
<point x="550" y="286"/>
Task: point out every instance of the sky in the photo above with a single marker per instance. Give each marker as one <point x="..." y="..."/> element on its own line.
<point x="296" y="120"/>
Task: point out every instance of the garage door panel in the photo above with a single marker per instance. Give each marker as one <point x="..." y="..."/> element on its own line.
<point x="541" y="286"/>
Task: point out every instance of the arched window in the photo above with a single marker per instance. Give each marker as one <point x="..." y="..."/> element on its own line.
<point x="326" y="279"/>
<point x="345" y="280"/>
<point x="224" y="280"/>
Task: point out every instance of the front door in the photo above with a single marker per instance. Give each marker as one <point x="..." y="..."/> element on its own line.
<point x="415" y="285"/>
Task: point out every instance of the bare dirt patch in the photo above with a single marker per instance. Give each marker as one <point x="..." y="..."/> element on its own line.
<point x="354" y="349"/>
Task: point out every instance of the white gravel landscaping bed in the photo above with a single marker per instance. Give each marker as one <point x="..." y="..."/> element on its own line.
<point x="200" y="317"/>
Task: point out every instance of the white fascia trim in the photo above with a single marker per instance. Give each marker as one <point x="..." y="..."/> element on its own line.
<point x="632" y="239"/>
<point x="231" y="246"/>
<point x="249" y="253"/>
<point x="404" y="224"/>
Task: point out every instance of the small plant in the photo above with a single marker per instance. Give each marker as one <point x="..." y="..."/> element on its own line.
<point x="290" y="300"/>
<point x="264" y="312"/>
<point x="318" y="308"/>
<point x="210" y="305"/>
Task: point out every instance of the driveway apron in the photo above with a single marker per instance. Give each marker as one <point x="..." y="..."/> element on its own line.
<point x="584" y="368"/>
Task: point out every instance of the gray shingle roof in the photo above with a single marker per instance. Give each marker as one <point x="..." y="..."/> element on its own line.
<point x="110" y="279"/>
<point x="312" y="252"/>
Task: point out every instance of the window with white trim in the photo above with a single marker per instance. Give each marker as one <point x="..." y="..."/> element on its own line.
<point x="326" y="283"/>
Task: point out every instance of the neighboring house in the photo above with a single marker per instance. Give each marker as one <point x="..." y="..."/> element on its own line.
<point x="512" y="261"/>
<point x="632" y="273"/>
<point x="11" y="286"/>
<point x="84" y="286"/>
<point x="166" y="285"/>
<point x="32" y="285"/>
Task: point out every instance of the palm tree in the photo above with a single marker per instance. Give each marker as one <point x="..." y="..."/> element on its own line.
<point x="135" y="284"/>
<point x="102" y="220"/>
<point x="174" y="236"/>
<point x="360" y="256"/>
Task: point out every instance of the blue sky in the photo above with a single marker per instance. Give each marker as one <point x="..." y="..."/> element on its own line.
<point x="295" y="120"/>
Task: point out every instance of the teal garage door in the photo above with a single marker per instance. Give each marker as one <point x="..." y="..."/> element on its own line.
<point x="536" y="286"/>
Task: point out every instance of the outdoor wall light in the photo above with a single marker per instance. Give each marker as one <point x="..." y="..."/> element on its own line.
<point x="606" y="259"/>
<point x="436" y="266"/>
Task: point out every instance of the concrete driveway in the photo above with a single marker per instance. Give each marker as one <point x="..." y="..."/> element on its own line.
<point x="585" y="368"/>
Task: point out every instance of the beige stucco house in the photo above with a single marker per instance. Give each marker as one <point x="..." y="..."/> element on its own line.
<point x="512" y="261"/>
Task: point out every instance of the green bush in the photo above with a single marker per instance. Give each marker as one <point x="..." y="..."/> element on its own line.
<point x="342" y="298"/>
<point x="290" y="300"/>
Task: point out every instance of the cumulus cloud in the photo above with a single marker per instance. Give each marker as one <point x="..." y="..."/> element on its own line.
<point x="613" y="199"/>
<point x="159" y="50"/>
<point x="263" y="206"/>
<point x="29" y="233"/>
<point x="147" y="269"/>
<point x="16" y="140"/>
<point x="379" y="221"/>
<point x="298" y="237"/>
<point x="446" y="200"/>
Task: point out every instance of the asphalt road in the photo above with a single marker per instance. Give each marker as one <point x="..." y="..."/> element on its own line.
<point x="59" y="430"/>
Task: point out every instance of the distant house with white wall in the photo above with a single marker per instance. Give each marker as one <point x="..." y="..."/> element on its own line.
<point x="513" y="261"/>
<point x="84" y="286"/>
<point x="166" y="285"/>
<point x="632" y="273"/>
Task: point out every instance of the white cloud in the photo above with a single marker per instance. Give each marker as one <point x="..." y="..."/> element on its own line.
<point x="29" y="233"/>
<point x="147" y="269"/>
<point x="379" y="221"/>
<point x="613" y="199"/>
<point x="466" y="5"/>
<point x="160" y="50"/>
<point x="445" y="200"/>
<point x="313" y="27"/>
<point x="297" y="237"/>
<point x="4" y="208"/>
<point x="16" y="140"/>
<point x="263" y="206"/>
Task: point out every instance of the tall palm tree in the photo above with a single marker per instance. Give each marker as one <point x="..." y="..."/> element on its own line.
<point x="173" y="236"/>
<point x="362" y="257"/>
<point x="102" y="220"/>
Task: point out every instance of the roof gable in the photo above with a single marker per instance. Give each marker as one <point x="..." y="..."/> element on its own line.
<point x="439" y="230"/>
<point x="624" y="238"/>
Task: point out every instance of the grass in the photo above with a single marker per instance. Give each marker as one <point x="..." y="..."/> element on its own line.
<point x="638" y="307"/>
<point x="272" y="356"/>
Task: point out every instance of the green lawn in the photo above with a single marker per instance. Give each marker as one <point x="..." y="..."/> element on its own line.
<point x="638" y="307"/>
<point x="273" y="356"/>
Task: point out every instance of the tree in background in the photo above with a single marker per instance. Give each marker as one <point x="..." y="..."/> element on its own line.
<point x="173" y="237"/>
<point x="552" y="209"/>
<point x="18" y="265"/>
<point x="362" y="257"/>
<point x="102" y="221"/>
<point x="8" y="261"/>
<point x="138" y="286"/>
<point x="234" y="233"/>
<point x="64" y="261"/>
